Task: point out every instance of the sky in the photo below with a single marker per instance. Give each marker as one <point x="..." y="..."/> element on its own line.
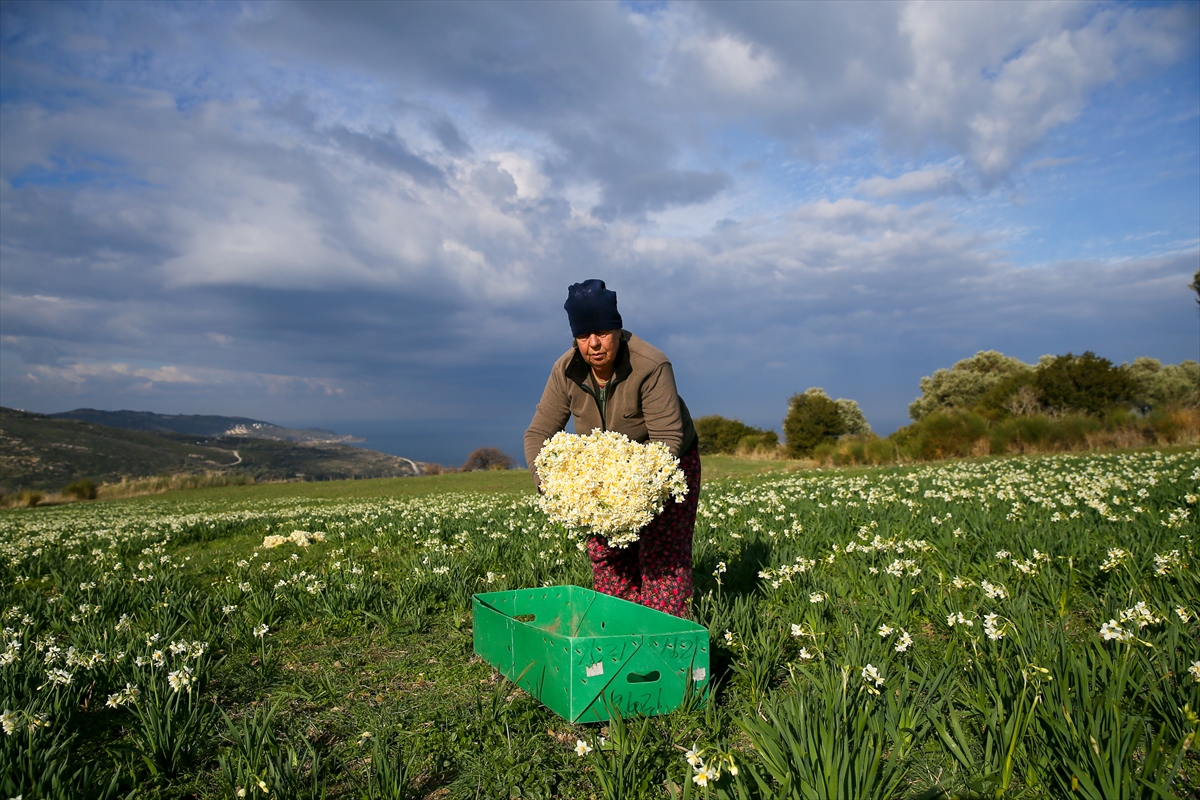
<point x="366" y="215"/>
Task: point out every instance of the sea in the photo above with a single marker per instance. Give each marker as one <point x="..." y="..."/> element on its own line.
<point x="446" y="442"/>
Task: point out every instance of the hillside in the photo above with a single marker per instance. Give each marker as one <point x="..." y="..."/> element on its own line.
<point x="47" y="453"/>
<point x="203" y="425"/>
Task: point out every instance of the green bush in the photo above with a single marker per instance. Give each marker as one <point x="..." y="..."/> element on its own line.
<point x="855" y="450"/>
<point x="942" y="434"/>
<point x="721" y="435"/>
<point x="1013" y="394"/>
<point x="1002" y="437"/>
<point x="1034" y="430"/>
<point x="812" y="418"/>
<point x="1084" y="383"/>
<point x="1073" y="431"/>
<point x="81" y="490"/>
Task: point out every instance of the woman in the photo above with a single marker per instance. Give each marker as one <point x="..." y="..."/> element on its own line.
<point x="612" y="380"/>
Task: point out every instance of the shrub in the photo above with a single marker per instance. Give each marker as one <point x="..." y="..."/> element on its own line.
<point x="812" y="418"/>
<point x="488" y="458"/>
<point x="721" y="435"/>
<point x="30" y="498"/>
<point x="758" y="444"/>
<point x="1034" y="430"/>
<point x="944" y="434"/>
<point x="81" y="490"/>
<point x="1012" y="395"/>
<point x="1176" y="426"/>
<point x="1073" y="431"/>
<point x="1084" y="383"/>
<point x="850" y="451"/>
<point x="1003" y="437"/>
<point x="170" y="483"/>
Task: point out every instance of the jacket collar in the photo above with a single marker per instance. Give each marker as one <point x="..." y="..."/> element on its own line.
<point x="578" y="370"/>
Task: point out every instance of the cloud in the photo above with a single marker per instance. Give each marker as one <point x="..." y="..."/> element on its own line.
<point x="389" y="151"/>
<point x="82" y="379"/>
<point x="987" y="80"/>
<point x="374" y="209"/>
<point x="938" y="180"/>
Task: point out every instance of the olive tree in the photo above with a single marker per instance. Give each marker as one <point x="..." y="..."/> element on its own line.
<point x="1159" y="387"/>
<point x="964" y="385"/>
<point x="853" y="418"/>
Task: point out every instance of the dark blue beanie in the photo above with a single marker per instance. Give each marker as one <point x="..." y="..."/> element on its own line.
<point x="590" y="308"/>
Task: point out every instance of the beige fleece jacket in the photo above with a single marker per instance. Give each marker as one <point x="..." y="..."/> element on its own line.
<point x="642" y="402"/>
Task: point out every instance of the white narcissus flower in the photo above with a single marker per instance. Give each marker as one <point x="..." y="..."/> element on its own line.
<point x="181" y="679"/>
<point x="904" y="642"/>
<point x="1195" y="670"/>
<point x="705" y="775"/>
<point x="994" y="591"/>
<point x="582" y="748"/>
<point x="871" y="674"/>
<point x="693" y="756"/>
<point x="886" y="631"/>
<point x="1111" y="630"/>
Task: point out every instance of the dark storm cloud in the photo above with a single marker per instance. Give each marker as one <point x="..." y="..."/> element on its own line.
<point x="450" y="137"/>
<point x="525" y="60"/>
<point x="388" y="151"/>
<point x="655" y="191"/>
<point x="580" y="85"/>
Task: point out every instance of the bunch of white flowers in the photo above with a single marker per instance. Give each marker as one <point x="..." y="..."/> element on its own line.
<point x="606" y="485"/>
<point x="298" y="538"/>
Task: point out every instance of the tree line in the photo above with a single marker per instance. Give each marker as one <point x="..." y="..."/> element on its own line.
<point x="988" y="403"/>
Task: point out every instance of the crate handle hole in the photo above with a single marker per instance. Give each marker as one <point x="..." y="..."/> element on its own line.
<point x="525" y="617"/>
<point x="648" y="677"/>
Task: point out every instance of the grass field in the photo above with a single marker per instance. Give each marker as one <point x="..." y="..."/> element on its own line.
<point x="1020" y="627"/>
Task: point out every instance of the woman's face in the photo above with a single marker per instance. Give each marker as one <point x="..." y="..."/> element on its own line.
<point x="599" y="349"/>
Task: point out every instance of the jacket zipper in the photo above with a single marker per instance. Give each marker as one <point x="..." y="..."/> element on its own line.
<point x="612" y="382"/>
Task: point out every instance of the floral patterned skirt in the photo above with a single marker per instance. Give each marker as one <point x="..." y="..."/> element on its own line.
<point x="656" y="570"/>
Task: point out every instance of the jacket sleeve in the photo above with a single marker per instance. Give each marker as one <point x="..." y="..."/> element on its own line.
<point x="660" y="407"/>
<point x="551" y="416"/>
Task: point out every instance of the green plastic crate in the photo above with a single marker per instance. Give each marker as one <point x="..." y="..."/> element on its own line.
<point x="577" y="650"/>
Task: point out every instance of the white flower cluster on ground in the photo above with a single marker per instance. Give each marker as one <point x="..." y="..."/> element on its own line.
<point x="604" y="484"/>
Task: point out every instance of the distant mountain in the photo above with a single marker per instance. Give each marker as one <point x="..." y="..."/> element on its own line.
<point x="48" y="452"/>
<point x="203" y="425"/>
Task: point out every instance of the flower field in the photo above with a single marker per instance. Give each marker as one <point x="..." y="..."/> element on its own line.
<point x="1024" y="627"/>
